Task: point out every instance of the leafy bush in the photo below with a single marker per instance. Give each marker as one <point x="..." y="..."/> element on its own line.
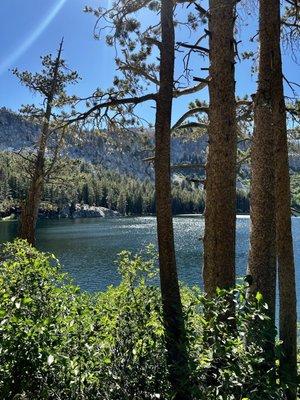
<point x="59" y="343"/>
<point x="228" y="355"/>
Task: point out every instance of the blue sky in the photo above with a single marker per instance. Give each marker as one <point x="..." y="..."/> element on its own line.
<point x="31" y="28"/>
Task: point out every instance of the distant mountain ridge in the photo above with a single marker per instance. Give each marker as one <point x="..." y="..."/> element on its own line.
<point x="15" y="132"/>
<point x="122" y="152"/>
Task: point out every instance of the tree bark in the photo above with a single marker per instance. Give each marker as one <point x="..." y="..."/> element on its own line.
<point x="284" y="238"/>
<point x="172" y="307"/>
<point x="219" y="238"/>
<point x="262" y="258"/>
<point x="29" y="214"/>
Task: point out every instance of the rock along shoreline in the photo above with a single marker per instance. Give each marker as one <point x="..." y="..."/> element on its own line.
<point x="71" y="211"/>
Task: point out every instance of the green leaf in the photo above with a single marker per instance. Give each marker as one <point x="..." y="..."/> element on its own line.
<point x="259" y="297"/>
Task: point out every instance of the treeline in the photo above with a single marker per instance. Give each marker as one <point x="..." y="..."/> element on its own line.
<point x="82" y="182"/>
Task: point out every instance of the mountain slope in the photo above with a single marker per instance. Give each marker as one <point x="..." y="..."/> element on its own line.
<point x="123" y="152"/>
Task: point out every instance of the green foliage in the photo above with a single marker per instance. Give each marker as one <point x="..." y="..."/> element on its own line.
<point x="81" y="182"/>
<point x="50" y="83"/>
<point x="59" y="343"/>
<point x="228" y="355"/>
<point x="295" y="191"/>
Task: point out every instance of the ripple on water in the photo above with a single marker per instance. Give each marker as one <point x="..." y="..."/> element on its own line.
<point x="88" y="248"/>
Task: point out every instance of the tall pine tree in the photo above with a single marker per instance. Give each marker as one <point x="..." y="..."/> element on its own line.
<point x="284" y="238"/>
<point x="219" y="238"/>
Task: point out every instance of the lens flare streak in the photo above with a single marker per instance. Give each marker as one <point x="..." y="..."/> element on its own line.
<point x="13" y="57"/>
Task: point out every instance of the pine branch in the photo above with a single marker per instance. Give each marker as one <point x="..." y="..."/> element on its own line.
<point x="138" y="70"/>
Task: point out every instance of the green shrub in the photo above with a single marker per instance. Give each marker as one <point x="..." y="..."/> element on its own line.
<point x="56" y="342"/>
<point x="59" y="343"/>
<point x="227" y="355"/>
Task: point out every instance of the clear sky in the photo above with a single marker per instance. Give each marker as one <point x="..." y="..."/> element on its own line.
<point x="31" y="28"/>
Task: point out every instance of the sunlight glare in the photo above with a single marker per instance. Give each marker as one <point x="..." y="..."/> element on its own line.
<point x="15" y="55"/>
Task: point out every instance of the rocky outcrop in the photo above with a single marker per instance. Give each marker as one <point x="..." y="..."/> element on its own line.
<point x="69" y="211"/>
<point x="86" y="211"/>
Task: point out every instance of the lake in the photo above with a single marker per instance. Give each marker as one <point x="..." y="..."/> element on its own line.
<point x="88" y="248"/>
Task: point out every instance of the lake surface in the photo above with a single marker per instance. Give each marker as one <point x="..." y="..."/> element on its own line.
<point x="88" y="248"/>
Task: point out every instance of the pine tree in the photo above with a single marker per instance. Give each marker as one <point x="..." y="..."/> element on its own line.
<point x="50" y="84"/>
<point x="262" y="258"/>
<point x="172" y="307"/>
<point x="284" y="238"/>
<point x="138" y="43"/>
<point x="219" y="238"/>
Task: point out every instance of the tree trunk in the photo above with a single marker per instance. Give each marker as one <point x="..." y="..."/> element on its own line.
<point x="262" y="258"/>
<point x="284" y="239"/>
<point x="219" y="238"/>
<point x="29" y="214"/>
<point x="172" y="307"/>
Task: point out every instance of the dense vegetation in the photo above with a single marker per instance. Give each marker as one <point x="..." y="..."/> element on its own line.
<point x="59" y="343"/>
<point x="82" y="182"/>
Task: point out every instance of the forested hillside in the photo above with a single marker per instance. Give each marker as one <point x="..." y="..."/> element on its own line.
<point x="108" y="169"/>
<point x="86" y="183"/>
<point x="111" y="170"/>
<point x="124" y="151"/>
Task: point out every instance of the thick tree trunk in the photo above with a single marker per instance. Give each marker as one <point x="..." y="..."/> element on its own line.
<point x="284" y="239"/>
<point x="219" y="238"/>
<point x="172" y="308"/>
<point x="262" y="258"/>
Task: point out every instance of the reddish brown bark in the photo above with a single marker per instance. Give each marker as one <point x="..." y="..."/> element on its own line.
<point x="262" y="258"/>
<point x="29" y="214"/>
<point x="219" y="238"/>
<point x="172" y="307"/>
<point x="284" y="239"/>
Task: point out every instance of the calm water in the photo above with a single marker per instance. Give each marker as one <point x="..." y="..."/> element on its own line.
<point x="87" y="248"/>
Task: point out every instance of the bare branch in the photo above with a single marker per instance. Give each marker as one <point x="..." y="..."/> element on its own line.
<point x="188" y="114"/>
<point x="149" y="159"/>
<point x="192" y="125"/>
<point x="187" y="166"/>
<point x="153" y="41"/>
<point x="194" y="47"/>
<point x="113" y="102"/>
<point x="191" y="89"/>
